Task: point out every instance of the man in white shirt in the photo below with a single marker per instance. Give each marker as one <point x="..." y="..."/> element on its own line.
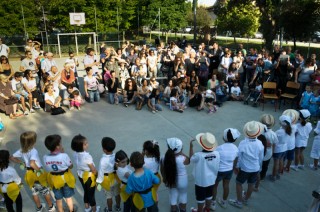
<point x="91" y="60"/>
<point x="4" y="49"/>
<point x="250" y="157"/>
<point x="48" y="63"/>
<point x="29" y="63"/>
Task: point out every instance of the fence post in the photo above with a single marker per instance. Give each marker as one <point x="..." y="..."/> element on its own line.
<point x="59" y="45"/>
<point x="76" y="39"/>
<point x="95" y="43"/>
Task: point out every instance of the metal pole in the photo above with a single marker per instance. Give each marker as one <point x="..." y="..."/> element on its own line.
<point x="159" y="25"/>
<point x="118" y="26"/>
<point x="45" y="28"/>
<point x="95" y="17"/>
<point x="59" y="45"/>
<point x="195" y="3"/>
<point x="138" y="22"/>
<point x="24" y="24"/>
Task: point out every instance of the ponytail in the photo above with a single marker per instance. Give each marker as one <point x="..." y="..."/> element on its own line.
<point x="303" y="122"/>
<point x="288" y="128"/>
<point x="169" y="169"/>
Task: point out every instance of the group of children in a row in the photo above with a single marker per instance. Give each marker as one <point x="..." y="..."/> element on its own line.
<point x="138" y="188"/>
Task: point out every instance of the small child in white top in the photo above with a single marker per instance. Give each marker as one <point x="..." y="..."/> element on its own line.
<point x="175" y="105"/>
<point x="304" y="129"/>
<point x="86" y="171"/>
<point x="235" y="92"/>
<point x="205" y="170"/>
<point x="315" y="150"/>
<point x="209" y="100"/>
<point x="228" y="158"/>
<point x="123" y="172"/>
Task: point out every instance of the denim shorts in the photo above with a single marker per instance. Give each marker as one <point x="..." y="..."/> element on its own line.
<point x="250" y="177"/>
<point x="23" y="93"/>
<point x="289" y="154"/>
<point x="224" y="176"/>
<point x="279" y="155"/>
<point x="64" y="192"/>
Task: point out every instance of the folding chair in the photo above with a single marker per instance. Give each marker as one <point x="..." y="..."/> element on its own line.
<point x="291" y="92"/>
<point x="269" y="91"/>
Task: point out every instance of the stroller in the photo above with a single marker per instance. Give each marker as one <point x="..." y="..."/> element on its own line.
<point x="255" y="92"/>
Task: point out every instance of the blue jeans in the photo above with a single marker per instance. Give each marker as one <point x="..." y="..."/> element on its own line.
<point x="94" y="96"/>
<point x="156" y="106"/>
<point x="113" y="98"/>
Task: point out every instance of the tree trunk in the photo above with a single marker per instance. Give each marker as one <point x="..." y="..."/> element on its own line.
<point x="234" y="39"/>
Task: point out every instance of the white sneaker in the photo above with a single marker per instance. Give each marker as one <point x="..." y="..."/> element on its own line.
<point x="42" y="208"/>
<point x="52" y="209"/>
<point x="312" y="167"/>
<point x="71" y="108"/>
<point x="87" y="209"/>
<point x="32" y="110"/>
<point x="222" y="203"/>
<point x="26" y="113"/>
<point x="294" y="167"/>
<point x="213" y="206"/>
<point x="235" y="203"/>
<point x="301" y="167"/>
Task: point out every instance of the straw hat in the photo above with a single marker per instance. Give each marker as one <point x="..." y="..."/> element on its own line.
<point x="234" y="132"/>
<point x="268" y="120"/>
<point x="175" y="144"/>
<point x="293" y="114"/>
<point x="252" y="129"/>
<point x="284" y="120"/>
<point x="304" y="114"/>
<point x="207" y="141"/>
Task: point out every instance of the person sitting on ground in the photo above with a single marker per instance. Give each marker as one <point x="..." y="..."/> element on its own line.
<point x="209" y="99"/>
<point x="91" y="86"/>
<point x="76" y="100"/>
<point x="167" y="91"/>
<point x="153" y="84"/>
<point x="213" y="82"/>
<point x="52" y="100"/>
<point x="153" y="101"/>
<point x="129" y="92"/>
<point x="113" y="84"/>
<point x="30" y="85"/>
<point x="222" y="93"/>
<point x="142" y="94"/>
<point x="195" y="98"/>
<point x="20" y="93"/>
<point x="68" y="76"/>
<point x="68" y="96"/>
<point x="8" y="102"/>
<point x="192" y="80"/>
<point x="235" y="92"/>
<point x="175" y="104"/>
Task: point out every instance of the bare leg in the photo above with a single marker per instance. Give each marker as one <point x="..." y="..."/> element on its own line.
<point x="70" y="204"/>
<point x="48" y="200"/>
<point x="225" y="189"/>
<point x="215" y="191"/>
<point x="249" y="191"/>
<point x="59" y="205"/>
<point x="239" y="192"/>
<point x="276" y="164"/>
<point x="36" y="200"/>
<point x="109" y="204"/>
<point x="297" y="157"/>
<point x="301" y="157"/>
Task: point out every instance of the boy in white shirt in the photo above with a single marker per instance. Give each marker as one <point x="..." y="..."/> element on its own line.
<point x="205" y="170"/>
<point x="250" y="156"/>
<point x="20" y="93"/>
<point x="106" y="174"/>
<point x="235" y="92"/>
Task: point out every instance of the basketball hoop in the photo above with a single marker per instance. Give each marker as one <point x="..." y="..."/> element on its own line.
<point x="77" y="19"/>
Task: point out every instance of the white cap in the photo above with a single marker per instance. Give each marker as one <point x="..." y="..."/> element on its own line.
<point x="285" y="120"/>
<point x="175" y="144"/>
<point x="234" y="132"/>
<point x="305" y="114"/>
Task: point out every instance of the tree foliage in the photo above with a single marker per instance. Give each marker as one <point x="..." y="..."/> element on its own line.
<point x="204" y="20"/>
<point x="239" y="18"/>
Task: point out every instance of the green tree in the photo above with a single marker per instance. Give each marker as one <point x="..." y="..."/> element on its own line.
<point x="204" y="20"/>
<point x="241" y="19"/>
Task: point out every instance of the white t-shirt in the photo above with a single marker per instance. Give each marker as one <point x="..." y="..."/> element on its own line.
<point x="29" y="156"/>
<point x="16" y="85"/>
<point x="121" y="171"/>
<point x="206" y="166"/>
<point x="152" y="60"/>
<point x="91" y="59"/>
<point x="52" y="98"/>
<point x="106" y="165"/>
<point x="181" y="168"/>
<point x="291" y="143"/>
<point x="29" y="64"/>
<point x="8" y="175"/>
<point x="31" y="84"/>
<point x="302" y="134"/>
<point x="173" y="99"/>
<point x="228" y="153"/>
<point x="92" y="83"/>
<point x="236" y="91"/>
<point x="250" y="155"/>
<point x="72" y="62"/>
<point x="152" y="164"/>
<point x="82" y="160"/>
<point x="47" y="64"/>
<point x="4" y="50"/>
<point x="283" y="138"/>
<point x="56" y="162"/>
<point x="271" y="139"/>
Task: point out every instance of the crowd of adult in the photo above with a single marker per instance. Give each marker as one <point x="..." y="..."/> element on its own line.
<point x="201" y="77"/>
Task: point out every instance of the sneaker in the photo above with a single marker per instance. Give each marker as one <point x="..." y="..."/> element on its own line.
<point x="153" y="111"/>
<point x="71" y="108"/>
<point x="301" y="167"/>
<point x="36" y="107"/>
<point x="312" y="167"/>
<point x="235" y="203"/>
<point x="251" y="99"/>
<point x="87" y="209"/>
<point x="272" y="178"/>
<point x="118" y="209"/>
<point x="42" y="207"/>
<point x="97" y="208"/>
<point x="52" y="209"/>
<point x="294" y="167"/>
<point x="79" y="108"/>
<point x="222" y="203"/>
<point x="210" y="111"/>
<point x="26" y="113"/>
<point x="213" y="206"/>
<point x="193" y="209"/>
<point x="2" y="204"/>
<point x="215" y="109"/>
<point x="126" y="105"/>
<point x="32" y="110"/>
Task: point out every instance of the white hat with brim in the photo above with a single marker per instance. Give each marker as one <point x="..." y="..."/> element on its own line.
<point x="253" y="129"/>
<point x="293" y="114"/>
<point x="122" y="61"/>
<point x="175" y="144"/>
<point x="207" y="141"/>
<point x="234" y="132"/>
<point x="305" y="113"/>
<point x="267" y="120"/>
<point x="285" y="120"/>
<point x="317" y="129"/>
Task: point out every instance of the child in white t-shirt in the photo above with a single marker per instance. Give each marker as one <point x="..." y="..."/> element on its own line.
<point x="205" y="170"/>
<point x="175" y="105"/>
<point x="235" y="92"/>
<point x="315" y="150"/>
<point x="228" y="155"/>
<point x="209" y="100"/>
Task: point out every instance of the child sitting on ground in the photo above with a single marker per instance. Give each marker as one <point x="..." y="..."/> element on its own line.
<point x="235" y="92"/>
<point x="175" y="104"/>
<point x="255" y="93"/>
<point x="153" y="101"/>
<point x="140" y="183"/>
<point x="209" y="100"/>
<point x="76" y="100"/>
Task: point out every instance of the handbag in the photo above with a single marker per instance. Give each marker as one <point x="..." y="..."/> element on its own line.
<point x="57" y="110"/>
<point x="101" y="88"/>
<point x="11" y="101"/>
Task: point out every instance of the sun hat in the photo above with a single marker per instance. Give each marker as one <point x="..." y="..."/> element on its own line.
<point x="207" y="141"/>
<point x="304" y="114"/>
<point x="252" y="129"/>
<point x="317" y="129"/>
<point x="175" y="144"/>
<point x="284" y="120"/>
<point x="293" y="114"/>
<point x="234" y="132"/>
<point x="267" y="120"/>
